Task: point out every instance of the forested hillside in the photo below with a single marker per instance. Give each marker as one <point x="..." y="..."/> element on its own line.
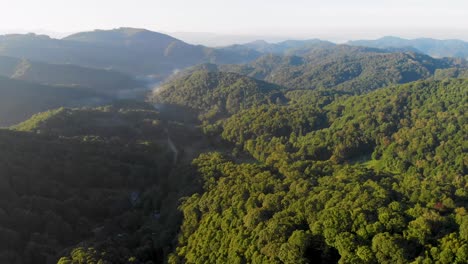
<point x="441" y="74"/>
<point x="103" y="177"/>
<point x="217" y="94"/>
<point x="342" y="67"/>
<point x="290" y="152"/>
<point x="374" y="178"/>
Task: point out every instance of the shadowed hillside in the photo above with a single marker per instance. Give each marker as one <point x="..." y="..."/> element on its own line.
<point x="102" y="81"/>
<point x="19" y="99"/>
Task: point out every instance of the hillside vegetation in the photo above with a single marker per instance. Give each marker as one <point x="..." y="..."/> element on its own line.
<point x="102" y="178"/>
<point x="217" y="94"/>
<point x="294" y="152"/>
<point x="374" y="178"/>
<point x="342" y="67"/>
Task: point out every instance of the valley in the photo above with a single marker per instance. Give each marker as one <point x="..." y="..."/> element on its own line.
<point x="131" y="146"/>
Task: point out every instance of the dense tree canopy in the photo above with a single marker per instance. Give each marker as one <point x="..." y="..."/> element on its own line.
<point x="104" y="178"/>
<point x="342" y="67"/>
<point x="375" y="178"/>
<point x="320" y="153"/>
<point x="217" y="94"/>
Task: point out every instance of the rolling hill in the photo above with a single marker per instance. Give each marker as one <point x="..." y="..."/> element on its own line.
<point x="343" y="67"/>
<point x="69" y="180"/>
<point x="215" y="94"/>
<point x="381" y="179"/>
<point x="291" y="152"/>
<point x="80" y="180"/>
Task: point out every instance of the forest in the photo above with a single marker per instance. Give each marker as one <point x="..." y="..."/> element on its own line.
<point x="376" y="178"/>
<point x="294" y="152"/>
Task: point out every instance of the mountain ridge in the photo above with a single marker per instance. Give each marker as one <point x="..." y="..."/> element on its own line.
<point x="349" y="68"/>
<point x="132" y="51"/>
<point x="429" y="46"/>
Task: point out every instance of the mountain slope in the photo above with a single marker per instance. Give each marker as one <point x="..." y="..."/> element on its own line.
<point x="124" y="37"/>
<point x="132" y="51"/>
<point x="73" y="181"/>
<point x="102" y="181"/>
<point x="156" y="44"/>
<point x="342" y="67"/>
<point x="441" y="74"/>
<point x="215" y="94"/>
<point x="19" y="100"/>
<point x="105" y="81"/>
<point x="384" y="181"/>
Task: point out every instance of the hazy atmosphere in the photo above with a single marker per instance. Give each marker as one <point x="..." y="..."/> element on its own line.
<point x="246" y="20"/>
<point x="208" y="132"/>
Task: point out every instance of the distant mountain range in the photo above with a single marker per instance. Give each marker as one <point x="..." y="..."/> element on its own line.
<point x="432" y="47"/>
<point x="284" y="47"/>
<point x="39" y="73"/>
<point x="291" y="152"/>
<point x="146" y="53"/>
<point x="129" y="50"/>
<point x="342" y="67"/>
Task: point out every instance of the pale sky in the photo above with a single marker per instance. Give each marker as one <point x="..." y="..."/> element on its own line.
<point x="329" y="19"/>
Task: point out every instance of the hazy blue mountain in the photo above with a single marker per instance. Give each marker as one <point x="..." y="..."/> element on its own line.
<point x="129" y="50"/>
<point x="123" y="37"/>
<point x="432" y="47"/>
<point x="284" y="47"/>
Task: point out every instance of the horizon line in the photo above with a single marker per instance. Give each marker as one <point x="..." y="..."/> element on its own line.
<point x="252" y="37"/>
